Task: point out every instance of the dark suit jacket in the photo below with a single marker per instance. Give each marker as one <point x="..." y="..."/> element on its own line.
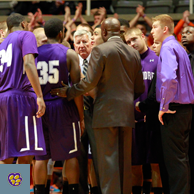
<point x="115" y="69"/>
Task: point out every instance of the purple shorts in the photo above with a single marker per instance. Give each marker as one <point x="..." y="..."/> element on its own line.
<point x="61" y="130"/>
<point x="21" y="133"/>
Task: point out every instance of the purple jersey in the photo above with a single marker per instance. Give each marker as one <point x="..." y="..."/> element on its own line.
<point x="149" y="62"/>
<point x="52" y="68"/>
<point x="12" y="75"/>
<point x="21" y="132"/>
<point x="61" y="119"/>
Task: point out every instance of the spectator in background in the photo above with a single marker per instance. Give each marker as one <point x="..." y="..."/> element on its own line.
<point x="140" y="13"/>
<point x="133" y="23"/>
<point x="99" y="16"/>
<point x="3" y="31"/>
<point x="124" y="25"/>
<point x="96" y="39"/>
<point x="48" y="7"/>
<point x="36" y="20"/>
<point x="142" y="27"/>
<point x="181" y="24"/>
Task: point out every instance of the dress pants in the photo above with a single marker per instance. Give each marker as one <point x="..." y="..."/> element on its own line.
<point x="191" y="152"/>
<point x="113" y="147"/>
<point x="175" y="143"/>
<point x="163" y="170"/>
<point x="88" y="136"/>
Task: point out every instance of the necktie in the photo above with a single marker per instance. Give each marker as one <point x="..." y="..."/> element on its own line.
<point x="86" y="98"/>
<point x="85" y="64"/>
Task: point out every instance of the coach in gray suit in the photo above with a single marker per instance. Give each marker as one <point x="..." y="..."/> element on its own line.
<point x="115" y="69"/>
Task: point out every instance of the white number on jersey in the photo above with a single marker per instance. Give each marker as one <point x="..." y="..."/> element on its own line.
<point x="48" y="72"/>
<point x="6" y="57"/>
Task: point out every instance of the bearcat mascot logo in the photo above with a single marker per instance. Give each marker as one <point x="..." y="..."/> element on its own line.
<point x="15" y="179"/>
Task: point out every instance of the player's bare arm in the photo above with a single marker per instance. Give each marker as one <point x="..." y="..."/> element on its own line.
<point x="74" y="70"/>
<point x="31" y="71"/>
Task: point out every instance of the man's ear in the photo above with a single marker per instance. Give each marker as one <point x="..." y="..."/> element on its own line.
<point x="143" y="36"/>
<point x="60" y="36"/>
<point x="104" y="32"/>
<point x="1" y="33"/>
<point x="23" y="25"/>
<point x="165" y="29"/>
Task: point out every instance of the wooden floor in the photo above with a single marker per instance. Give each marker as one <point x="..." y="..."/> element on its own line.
<point x="61" y="193"/>
<point x="50" y="193"/>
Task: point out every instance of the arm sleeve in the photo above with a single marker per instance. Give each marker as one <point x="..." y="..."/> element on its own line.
<point x="178" y="27"/>
<point x="191" y="24"/>
<point x="168" y="77"/>
<point x="28" y="43"/>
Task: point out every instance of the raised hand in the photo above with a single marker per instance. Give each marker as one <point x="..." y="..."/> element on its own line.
<point x="39" y="16"/>
<point x="186" y="15"/>
<point x="140" y="9"/>
<point x="102" y="12"/>
<point x="67" y="14"/>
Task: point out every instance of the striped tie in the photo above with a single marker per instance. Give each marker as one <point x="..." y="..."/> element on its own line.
<point x="87" y="99"/>
<point x="85" y="64"/>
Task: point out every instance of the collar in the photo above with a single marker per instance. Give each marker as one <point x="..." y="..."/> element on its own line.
<point x="81" y="60"/>
<point x="113" y="37"/>
<point x="143" y="55"/>
<point x="171" y="37"/>
<point x="191" y="53"/>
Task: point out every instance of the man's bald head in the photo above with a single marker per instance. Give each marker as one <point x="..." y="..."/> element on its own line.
<point x="40" y="36"/>
<point x="110" y="27"/>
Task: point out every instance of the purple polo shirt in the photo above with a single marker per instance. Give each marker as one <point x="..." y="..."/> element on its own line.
<point x="175" y="82"/>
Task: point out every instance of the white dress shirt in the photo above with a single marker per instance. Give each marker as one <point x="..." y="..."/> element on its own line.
<point x="81" y="61"/>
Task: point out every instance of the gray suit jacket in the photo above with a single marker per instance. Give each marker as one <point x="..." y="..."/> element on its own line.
<point x="115" y="69"/>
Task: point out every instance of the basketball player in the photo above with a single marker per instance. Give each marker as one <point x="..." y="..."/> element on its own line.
<point x="62" y="119"/>
<point x="21" y="132"/>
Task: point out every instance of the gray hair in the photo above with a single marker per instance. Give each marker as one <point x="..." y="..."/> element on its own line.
<point x="82" y="32"/>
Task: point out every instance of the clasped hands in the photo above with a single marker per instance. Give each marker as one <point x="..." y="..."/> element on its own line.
<point x="62" y="92"/>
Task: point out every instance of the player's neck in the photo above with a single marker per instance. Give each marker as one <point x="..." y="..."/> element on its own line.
<point x="16" y="29"/>
<point x="52" y="41"/>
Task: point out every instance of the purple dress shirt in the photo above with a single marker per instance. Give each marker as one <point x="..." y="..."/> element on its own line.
<point x="175" y="82"/>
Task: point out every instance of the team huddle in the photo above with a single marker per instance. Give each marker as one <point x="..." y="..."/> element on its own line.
<point x="130" y="103"/>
